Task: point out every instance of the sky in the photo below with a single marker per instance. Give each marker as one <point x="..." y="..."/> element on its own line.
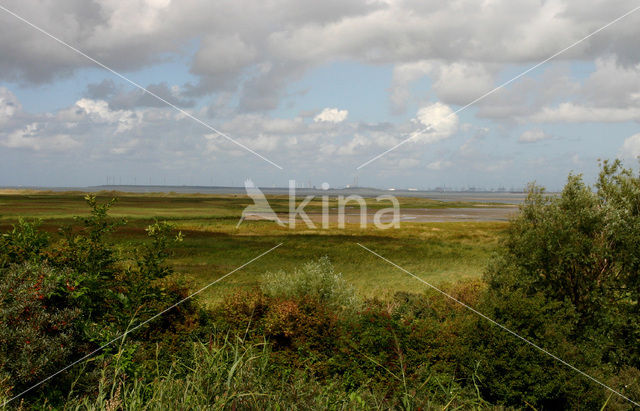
<point x="317" y="88"/>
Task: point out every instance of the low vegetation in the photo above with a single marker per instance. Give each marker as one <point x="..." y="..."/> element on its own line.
<point x="213" y="246"/>
<point x="564" y="277"/>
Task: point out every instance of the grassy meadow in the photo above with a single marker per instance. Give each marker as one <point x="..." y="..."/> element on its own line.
<point x="438" y="252"/>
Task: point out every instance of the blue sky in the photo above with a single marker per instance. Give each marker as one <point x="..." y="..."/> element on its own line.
<point x="318" y="89"/>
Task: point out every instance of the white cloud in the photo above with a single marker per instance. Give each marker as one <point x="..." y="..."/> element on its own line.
<point x="263" y="142"/>
<point x="408" y="163"/>
<point x="576" y="113"/>
<point x="30" y="138"/>
<point x="157" y="138"/>
<point x="264" y="46"/>
<point x="220" y="60"/>
<point x="358" y="142"/>
<point x="575" y="159"/>
<point x="404" y="75"/>
<point x="495" y="165"/>
<point x="158" y="4"/>
<point x="439" y="165"/>
<point x="612" y="84"/>
<point x="461" y="82"/>
<point x="99" y="111"/>
<point x="441" y="120"/>
<point x="531" y="136"/>
<point x="9" y="105"/>
<point x="126" y="147"/>
<point x="631" y="147"/>
<point x="250" y="124"/>
<point x="248" y="55"/>
<point x="331" y="115"/>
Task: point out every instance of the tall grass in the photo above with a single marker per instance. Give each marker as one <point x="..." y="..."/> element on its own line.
<point x="230" y="373"/>
<point x="226" y="373"/>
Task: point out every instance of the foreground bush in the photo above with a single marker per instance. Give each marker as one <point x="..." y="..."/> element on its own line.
<point x="318" y="328"/>
<point x="566" y="279"/>
<point x="61" y="299"/>
<point x="37" y="333"/>
<point x="23" y="243"/>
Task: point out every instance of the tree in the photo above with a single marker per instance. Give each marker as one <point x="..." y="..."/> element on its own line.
<point x="579" y="246"/>
<point x="567" y="278"/>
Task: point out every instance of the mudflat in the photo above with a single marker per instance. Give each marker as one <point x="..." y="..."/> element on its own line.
<point x="421" y="215"/>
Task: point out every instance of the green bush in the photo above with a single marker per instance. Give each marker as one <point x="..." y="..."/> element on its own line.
<point x="567" y="279"/>
<point x="110" y="285"/>
<point x="243" y="311"/>
<point x="23" y="243"/>
<point x="515" y="373"/>
<point x="580" y="246"/>
<point x="404" y="351"/>
<point x="316" y="280"/>
<point x="63" y="299"/>
<point x="37" y="333"/>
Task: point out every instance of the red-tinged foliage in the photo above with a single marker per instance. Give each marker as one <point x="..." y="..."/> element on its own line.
<point x="36" y="337"/>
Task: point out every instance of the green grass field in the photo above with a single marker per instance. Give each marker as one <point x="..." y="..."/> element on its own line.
<point x="437" y="252"/>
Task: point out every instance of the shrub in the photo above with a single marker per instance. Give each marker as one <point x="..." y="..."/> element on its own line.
<point x="243" y="311"/>
<point x="37" y="334"/>
<point x="515" y="373"/>
<point x="23" y="243"/>
<point x="86" y="251"/>
<point x="316" y="280"/>
<point x="580" y="246"/>
<point x="109" y="285"/>
<point x="370" y="346"/>
<point x="438" y="330"/>
<point x="302" y="323"/>
<point x="76" y="294"/>
<point x="567" y="279"/>
<point x="152" y="256"/>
